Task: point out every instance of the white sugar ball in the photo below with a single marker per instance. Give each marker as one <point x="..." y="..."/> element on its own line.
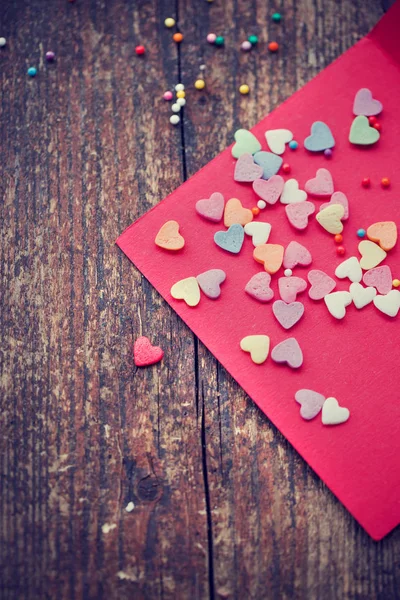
<point x="288" y="272"/>
<point x="179" y="87"/>
<point x="181" y="101"/>
<point x="174" y="119"/>
<point x="261" y="204"/>
<point x="3" y="42"/>
<point x="175" y="107"/>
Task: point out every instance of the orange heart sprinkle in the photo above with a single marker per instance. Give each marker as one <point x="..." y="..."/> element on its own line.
<point x="270" y="255"/>
<point x="235" y="213"/>
<point x="384" y="233"/>
<point x="169" y="237"/>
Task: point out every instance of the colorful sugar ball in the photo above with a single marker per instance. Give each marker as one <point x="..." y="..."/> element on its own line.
<point x="50" y="56"/>
<point x="338" y="238"/>
<point x="340" y="250"/>
<point x="244" y="89"/>
<point x="181" y="94"/>
<point x="385" y="182"/>
<point x="174" y="119"/>
<point x="168" y="95"/>
<point x="276" y="17"/>
<point x="219" y="40"/>
<point x="377" y="126"/>
<point x="273" y="46"/>
<point x="396" y="283"/>
<point x="211" y="37"/>
<point x="140" y="50"/>
<point x="179" y="87"/>
<point x="255" y="210"/>
<point x="328" y="153"/>
<point x="253" y="39"/>
<point x="169" y="22"/>
<point x="288" y="272"/>
<point x="32" y="71"/>
<point x="246" y="46"/>
<point x="366" y="182"/>
<point x="372" y="120"/>
<point x="202" y="67"/>
<point x="361" y="233"/>
<point x="177" y="37"/>
<point x="3" y="42"/>
<point x="199" y="84"/>
<point x="181" y="101"/>
<point x="261" y="204"/>
<point x="293" y="145"/>
<point x="286" y="168"/>
<point x="175" y="107"/>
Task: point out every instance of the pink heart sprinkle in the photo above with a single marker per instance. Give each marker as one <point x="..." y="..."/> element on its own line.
<point x="246" y="169"/>
<point x="209" y="282"/>
<point x="289" y="287"/>
<point x="287" y="315"/>
<point x="365" y="104"/>
<point x="338" y="198"/>
<point x="296" y="254"/>
<point x="212" y="208"/>
<point x="311" y="403"/>
<point x="321" y="184"/>
<point x="379" y="278"/>
<point x="288" y="352"/>
<point x="258" y="287"/>
<point x="298" y="213"/>
<point x="270" y="190"/>
<point x="321" y="284"/>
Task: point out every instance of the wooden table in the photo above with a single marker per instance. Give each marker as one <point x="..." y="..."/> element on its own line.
<point x="222" y="506"/>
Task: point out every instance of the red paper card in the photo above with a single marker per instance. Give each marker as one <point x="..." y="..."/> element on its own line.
<point x="356" y="360"/>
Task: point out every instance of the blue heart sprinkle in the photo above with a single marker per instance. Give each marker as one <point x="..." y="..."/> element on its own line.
<point x="269" y="162"/>
<point x="321" y="138"/>
<point x="231" y="240"/>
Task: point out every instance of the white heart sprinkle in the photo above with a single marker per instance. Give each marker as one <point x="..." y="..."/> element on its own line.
<point x="259" y="232"/>
<point x="361" y="295"/>
<point x="291" y="193"/>
<point x="333" y="414"/>
<point x="277" y="138"/>
<point x="389" y="304"/>
<point x="349" y="268"/>
<point x="336" y="303"/>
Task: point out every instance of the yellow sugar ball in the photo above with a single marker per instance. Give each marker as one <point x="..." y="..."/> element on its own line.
<point x="396" y="283"/>
<point x="170" y="22"/>
<point x="180" y="94"/>
<point x="244" y="89"/>
<point x="200" y="84"/>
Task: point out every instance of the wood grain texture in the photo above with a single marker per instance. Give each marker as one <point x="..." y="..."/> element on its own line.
<point x="223" y="506"/>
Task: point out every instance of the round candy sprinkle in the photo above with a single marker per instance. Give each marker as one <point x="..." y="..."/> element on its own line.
<point x="253" y="39"/>
<point x="139" y="50"/>
<point x="244" y="89"/>
<point x="179" y="87"/>
<point x="361" y="233"/>
<point x="32" y="71"/>
<point x="169" y="22"/>
<point x="366" y="182"/>
<point x="174" y="119"/>
<point x="202" y="67"/>
<point x="246" y="46"/>
<point x="181" y="101"/>
<point x="293" y="145"/>
<point x="3" y="42"/>
<point x="219" y="40"/>
<point x="50" y="56"/>
<point x="255" y="210"/>
<point x="286" y="168"/>
<point x="377" y="126"/>
<point x="288" y="272"/>
<point x="273" y="46"/>
<point x="175" y="108"/>
<point x="261" y="204"/>
<point x="276" y="17"/>
<point x="340" y="250"/>
<point x="338" y="238"/>
<point x="396" y="283"/>
<point x="177" y="37"/>
<point x="180" y="94"/>
<point x="328" y="153"/>
<point x="199" y="84"/>
<point x="168" y="95"/>
<point x="211" y="38"/>
<point x="372" y="120"/>
<point x="385" y="182"/>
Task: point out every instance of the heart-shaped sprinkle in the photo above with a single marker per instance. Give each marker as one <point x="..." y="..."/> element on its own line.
<point x="330" y="218"/>
<point x="371" y="255"/>
<point x="211" y="208"/>
<point x="235" y="213"/>
<point x="389" y="304"/>
<point x="380" y="278"/>
<point x="169" y="237"/>
<point x="338" y="198"/>
<point x="321" y="184"/>
<point x="298" y="214"/>
<point x="311" y="403"/>
<point x="210" y="282"/>
<point x="333" y="414"/>
<point x="259" y="232"/>
<point x="270" y="190"/>
<point x="361" y="296"/>
<point x="296" y="254"/>
<point x="187" y="290"/>
<point x="361" y="133"/>
<point x="258" y="346"/>
<point x="321" y="138"/>
<point x="321" y="284"/>
<point x="288" y="352"/>
<point x="246" y="143"/>
<point x="384" y="233"/>
<point x="270" y="163"/>
<point x="364" y="104"/>
<point x="289" y="287"/>
<point x="270" y="255"/>
<point x="246" y="170"/>
<point x="277" y="138"/>
<point x="145" y="354"/>
<point x="291" y="193"/>
<point x="231" y="240"/>
<point x="258" y="287"/>
<point x="287" y="315"/>
<point x="336" y="303"/>
<point x="349" y="268"/>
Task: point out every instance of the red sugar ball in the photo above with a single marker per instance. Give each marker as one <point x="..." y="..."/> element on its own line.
<point x="366" y="182"/>
<point x="286" y="168"/>
<point x="139" y="50"/>
<point x="340" y="250"/>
